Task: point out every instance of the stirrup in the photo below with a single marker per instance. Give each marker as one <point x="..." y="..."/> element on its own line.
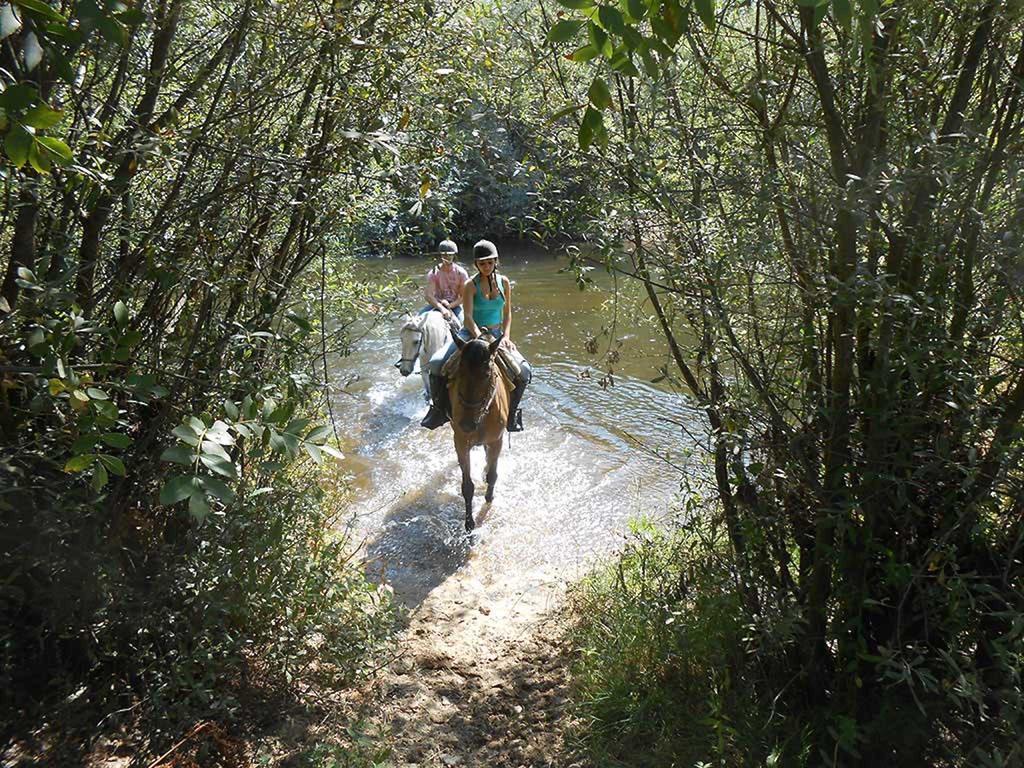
<point x="515" y="423"/>
<point x="435" y="418"/>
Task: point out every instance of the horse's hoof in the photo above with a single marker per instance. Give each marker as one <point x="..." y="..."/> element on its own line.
<point x="489" y="496"/>
<point x="469" y="523"/>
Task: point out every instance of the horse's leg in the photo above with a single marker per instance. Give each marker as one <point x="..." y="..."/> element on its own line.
<point x="493" y="451"/>
<point x="462" y="450"/>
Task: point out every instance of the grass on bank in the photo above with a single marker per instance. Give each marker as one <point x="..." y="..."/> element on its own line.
<point x="665" y="663"/>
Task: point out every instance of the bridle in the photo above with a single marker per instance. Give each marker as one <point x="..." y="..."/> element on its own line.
<point x="476" y="407"/>
<point x="419" y="345"/>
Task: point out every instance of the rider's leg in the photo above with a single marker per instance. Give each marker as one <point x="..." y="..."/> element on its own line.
<point x="515" y="415"/>
<point x="439" y="407"/>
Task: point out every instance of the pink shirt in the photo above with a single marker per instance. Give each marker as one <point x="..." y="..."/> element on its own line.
<point x="448" y="284"/>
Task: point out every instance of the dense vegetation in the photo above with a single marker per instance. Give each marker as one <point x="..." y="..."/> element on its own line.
<point x="823" y="203"/>
<point x="820" y="200"/>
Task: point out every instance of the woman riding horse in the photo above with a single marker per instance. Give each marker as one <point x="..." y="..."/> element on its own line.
<point x="487" y="299"/>
<point x="443" y="291"/>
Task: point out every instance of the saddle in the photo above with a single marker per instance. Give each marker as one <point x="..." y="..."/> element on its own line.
<point x="507" y="366"/>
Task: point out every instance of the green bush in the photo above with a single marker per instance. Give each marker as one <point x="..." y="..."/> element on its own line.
<point x="166" y="622"/>
<point x="662" y="676"/>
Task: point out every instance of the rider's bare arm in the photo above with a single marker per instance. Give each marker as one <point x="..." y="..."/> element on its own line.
<point x="467" y="309"/>
<point x="506" y="316"/>
<point x="429" y="295"/>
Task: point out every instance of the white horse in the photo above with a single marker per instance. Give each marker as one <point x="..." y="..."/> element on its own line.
<point x="422" y="335"/>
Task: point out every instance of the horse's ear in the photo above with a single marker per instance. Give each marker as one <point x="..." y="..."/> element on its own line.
<point x="493" y="347"/>
<point x="459" y="342"/>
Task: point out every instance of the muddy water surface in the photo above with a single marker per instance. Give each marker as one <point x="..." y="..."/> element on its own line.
<point x="567" y="486"/>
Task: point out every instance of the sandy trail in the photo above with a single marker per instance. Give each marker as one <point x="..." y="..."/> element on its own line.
<point x="481" y="679"/>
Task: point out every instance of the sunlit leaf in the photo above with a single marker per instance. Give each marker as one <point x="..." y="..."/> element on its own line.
<point x="219" y="464"/>
<point x="78" y="463"/>
<point x="599" y="94"/>
<point x="586" y="53"/>
<point x="42" y="117"/>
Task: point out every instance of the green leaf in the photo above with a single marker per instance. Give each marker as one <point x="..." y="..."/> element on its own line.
<point x="114" y="464"/>
<point x="219" y="464"/>
<point x="665" y="31"/>
<point x="592" y="125"/>
<point x="184" y="433"/>
<point x="131" y="17"/>
<point x="17" y="145"/>
<point x="599" y="94"/>
<point x="196" y="424"/>
<point x="177" y="488"/>
<point x="599" y="39"/>
<point x="121" y="314"/>
<point x="231" y="410"/>
<point x="116" y="440"/>
<point x="637" y="9"/>
<point x="84" y="444"/>
<point x="611" y="19"/>
<point x="586" y="53"/>
<point x="819" y="13"/>
<point x="197" y="506"/>
<point x="55" y="148"/>
<point x="314" y="452"/>
<point x="218" y="488"/>
<point x="564" y="30"/>
<point x="621" y="63"/>
<point x="706" y="11"/>
<point x="40" y="8"/>
<point x="99" y="477"/>
<point x="576" y="4"/>
<point x="179" y="454"/>
<point x="843" y="13"/>
<point x="219" y="433"/>
<point x="330" y="450"/>
<point x="319" y="434"/>
<point x="18" y="97"/>
<point x="41" y="161"/>
<point x="269" y="406"/>
<point x="295" y="426"/>
<point x="112" y="30"/>
<point x="42" y="117"/>
<point x="650" y="64"/>
<point x="214" y="449"/>
<point x="97" y="394"/>
<point x="78" y="463"/>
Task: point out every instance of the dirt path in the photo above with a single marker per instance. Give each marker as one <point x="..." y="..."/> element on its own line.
<point x="482" y="676"/>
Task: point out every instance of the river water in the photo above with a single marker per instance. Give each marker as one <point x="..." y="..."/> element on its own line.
<point x="591" y="458"/>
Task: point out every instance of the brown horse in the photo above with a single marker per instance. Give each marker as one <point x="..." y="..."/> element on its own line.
<point x="479" y="399"/>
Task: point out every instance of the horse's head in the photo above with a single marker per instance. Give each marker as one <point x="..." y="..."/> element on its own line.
<point x="475" y="382"/>
<point x="411" y="335"/>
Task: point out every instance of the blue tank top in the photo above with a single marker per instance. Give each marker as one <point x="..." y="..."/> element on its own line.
<point x="488" y="312"/>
